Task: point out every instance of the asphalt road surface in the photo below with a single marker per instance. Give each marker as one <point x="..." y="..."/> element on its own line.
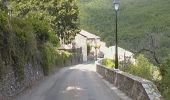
<point x="79" y="82"/>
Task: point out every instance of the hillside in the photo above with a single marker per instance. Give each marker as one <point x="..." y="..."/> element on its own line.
<point x="143" y="27"/>
<point x="139" y="21"/>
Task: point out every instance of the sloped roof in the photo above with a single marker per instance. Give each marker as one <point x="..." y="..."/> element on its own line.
<point x="88" y="35"/>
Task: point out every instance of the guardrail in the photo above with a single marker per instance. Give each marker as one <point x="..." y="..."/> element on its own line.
<point x="135" y="87"/>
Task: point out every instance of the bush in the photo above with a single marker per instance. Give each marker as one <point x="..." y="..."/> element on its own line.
<point x="164" y="84"/>
<point x="108" y="63"/>
<point x="64" y="57"/>
<point x="53" y="39"/>
<point x="25" y="36"/>
<point x="142" y="68"/>
<point x="49" y="56"/>
<point x="25" y="45"/>
<point x="41" y="30"/>
<point x="160" y="76"/>
<point x="17" y="43"/>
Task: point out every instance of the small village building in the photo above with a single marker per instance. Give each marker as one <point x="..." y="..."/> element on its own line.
<point x="83" y="39"/>
<point x="99" y="48"/>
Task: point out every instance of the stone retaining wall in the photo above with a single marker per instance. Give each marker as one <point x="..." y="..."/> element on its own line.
<point x="74" y="59"/>
<point x="135" y="87"/>
<point x="10" y="86"/>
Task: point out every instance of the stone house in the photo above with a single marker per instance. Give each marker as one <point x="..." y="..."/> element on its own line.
<point x="84" y="38"/>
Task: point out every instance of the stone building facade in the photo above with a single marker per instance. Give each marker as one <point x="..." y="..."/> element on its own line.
<point x="84" y="38"/>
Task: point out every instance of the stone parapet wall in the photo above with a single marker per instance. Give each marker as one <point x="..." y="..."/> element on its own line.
<point x="135" y="87"/>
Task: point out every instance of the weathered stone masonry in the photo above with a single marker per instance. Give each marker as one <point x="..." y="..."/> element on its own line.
<point x="135" y="87"/>
<point x="10" y="86"/>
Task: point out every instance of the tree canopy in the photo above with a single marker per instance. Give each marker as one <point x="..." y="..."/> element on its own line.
<point x="61" y="15"/>
<point x="31" y="32"/>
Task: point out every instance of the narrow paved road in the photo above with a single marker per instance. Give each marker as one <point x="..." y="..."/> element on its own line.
<point x="79" y="82"/>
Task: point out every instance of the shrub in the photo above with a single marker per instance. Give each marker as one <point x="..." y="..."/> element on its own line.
<point x="17" y="43"/>
<point x="108" y="63"/>
<point x="25" y="45"/>
<point x="49" y="56"/>
<point x="164" y="84"/>
<point x="64" y="57"/>
<point x="53" y="39"/>
<point x="41" y="29"/>
<point x="43" y="32"/>
<point x="142" y="68"/>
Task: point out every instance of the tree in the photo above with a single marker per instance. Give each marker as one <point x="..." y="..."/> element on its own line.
<point x="151" y="44"/>
<point x="66" y="24"/>
<point x="60" y="14"/>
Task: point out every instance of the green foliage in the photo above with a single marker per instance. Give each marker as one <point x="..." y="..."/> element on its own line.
<point x="142" y="24"/>
<point x="3" y="49"/>
<point x="25" y="36"/>
<point x="54" y="39"/>
<point x="30" y="8"/>
<point x="1" y="5"/>
<point x="17" y="45"/>
<point x="164" y="85"/>
<point x="142" y="68"/>
<point x="41" y="30"/>
<point x="61" y="15"/>
<point x="137" y="21"/>
<point x="26" y="45"/>
<point x="64" y="56"/>
<point x="3" y="19"/>
<point x="66" y="24"/>
<point x="52" y="57"/>
<point x="108" y="63"/>
<point x="33" y="28"/>
<point x="147" y="71"/>
<point x="49" y="56"/>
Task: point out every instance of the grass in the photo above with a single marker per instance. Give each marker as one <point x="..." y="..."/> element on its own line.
<point x="109" y="63"/>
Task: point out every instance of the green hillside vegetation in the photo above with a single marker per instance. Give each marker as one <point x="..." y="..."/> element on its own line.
<point x="139" y="20"/>
<point x="143" y="27"/>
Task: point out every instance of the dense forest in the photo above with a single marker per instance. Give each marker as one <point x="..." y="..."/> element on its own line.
<point x="142" y="24"/>
<point x="143" y="28"/>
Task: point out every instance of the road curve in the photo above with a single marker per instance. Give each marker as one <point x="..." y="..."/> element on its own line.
<point x="79" y="82"/>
